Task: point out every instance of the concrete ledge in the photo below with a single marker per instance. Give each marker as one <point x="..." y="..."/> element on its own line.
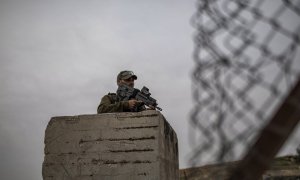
<point x="111" y="146"/>
<point x="283" y="168"/>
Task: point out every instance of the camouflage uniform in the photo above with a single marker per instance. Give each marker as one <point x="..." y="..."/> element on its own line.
<point x="112" y="103"/>
<point x="109" y="103"/>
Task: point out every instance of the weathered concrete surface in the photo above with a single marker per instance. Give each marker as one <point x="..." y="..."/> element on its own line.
<point x="283" y="168"/>
<point x="118" y="146"/>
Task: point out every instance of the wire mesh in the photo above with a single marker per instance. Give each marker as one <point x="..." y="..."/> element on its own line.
<point x="246" y="60"/>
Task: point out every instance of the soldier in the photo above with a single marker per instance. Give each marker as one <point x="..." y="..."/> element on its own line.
<point x="112" y="103"/>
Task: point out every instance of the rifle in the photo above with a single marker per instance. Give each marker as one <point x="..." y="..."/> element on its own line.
<point x="126" y="93"/>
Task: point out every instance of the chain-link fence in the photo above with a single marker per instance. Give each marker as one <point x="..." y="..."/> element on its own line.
<point x="247" y="58"/>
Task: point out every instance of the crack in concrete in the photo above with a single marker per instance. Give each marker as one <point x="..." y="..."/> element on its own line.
<point x="119" y="139"/>
<point x="137" y="116"/>
<point x="132" y="150"/>
<point x="136" y="127"/>
<point x="97" y="161"/>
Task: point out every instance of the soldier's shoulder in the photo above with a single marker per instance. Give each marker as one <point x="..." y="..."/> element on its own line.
<point x="112" y="96"/>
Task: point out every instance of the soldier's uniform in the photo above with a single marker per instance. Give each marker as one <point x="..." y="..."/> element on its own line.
<point x="112" y="103"/>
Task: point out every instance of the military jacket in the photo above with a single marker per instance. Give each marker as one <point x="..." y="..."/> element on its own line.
<point x="111" y="103"/>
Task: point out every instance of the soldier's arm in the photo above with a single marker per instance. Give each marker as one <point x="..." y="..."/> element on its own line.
<point x="107" y="106"/>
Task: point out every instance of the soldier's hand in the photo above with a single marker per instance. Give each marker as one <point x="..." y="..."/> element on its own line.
<point x="132" y="103"/>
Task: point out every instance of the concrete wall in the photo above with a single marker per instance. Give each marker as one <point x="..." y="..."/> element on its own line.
<point x="283" y="168"/>
<point x="125" y="146"/>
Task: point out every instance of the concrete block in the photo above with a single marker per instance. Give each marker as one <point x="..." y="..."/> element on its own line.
<point x="112" y="146"/>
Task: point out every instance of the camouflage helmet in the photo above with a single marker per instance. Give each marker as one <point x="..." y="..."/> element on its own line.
<point x="126" y="75"/>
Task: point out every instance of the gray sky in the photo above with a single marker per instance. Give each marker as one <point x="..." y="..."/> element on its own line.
<point x="60" y="57"/>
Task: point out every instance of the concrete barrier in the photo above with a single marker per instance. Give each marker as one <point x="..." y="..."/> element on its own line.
<point x="118" y="146"/>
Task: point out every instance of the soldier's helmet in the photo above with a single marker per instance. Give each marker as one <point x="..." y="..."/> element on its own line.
<point x="126" y="75"/>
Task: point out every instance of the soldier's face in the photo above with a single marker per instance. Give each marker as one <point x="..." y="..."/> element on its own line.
<point x="128" y="82"/>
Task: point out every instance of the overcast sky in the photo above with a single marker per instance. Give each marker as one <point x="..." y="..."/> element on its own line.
<point x="59" y="58"/>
